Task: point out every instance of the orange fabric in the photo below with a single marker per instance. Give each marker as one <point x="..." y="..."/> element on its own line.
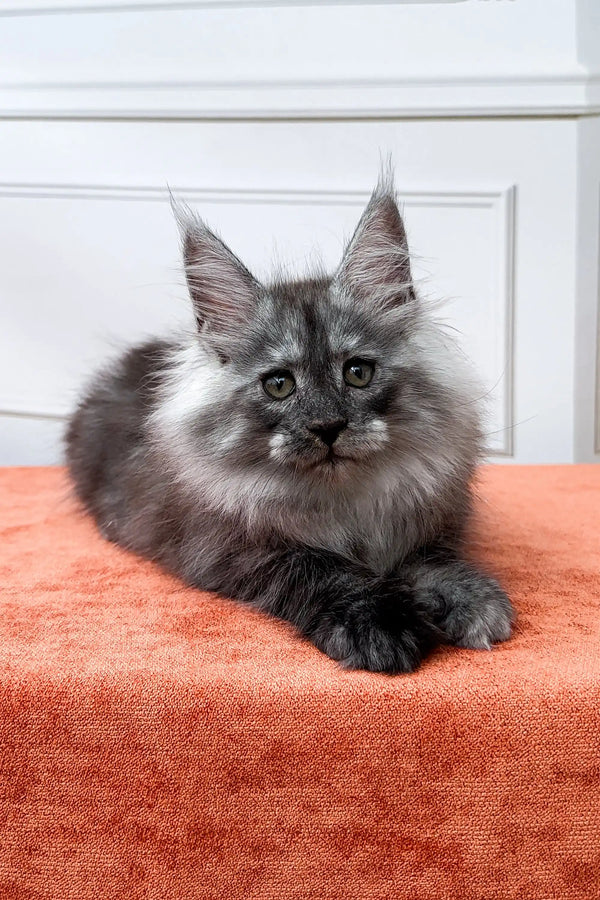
<point x="159" y="743"/>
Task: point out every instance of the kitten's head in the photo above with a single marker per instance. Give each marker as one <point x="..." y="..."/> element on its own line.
<point x="327" y="376"/>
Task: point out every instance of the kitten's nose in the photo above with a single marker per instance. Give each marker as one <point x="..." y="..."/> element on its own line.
<point x="328" y="431"/>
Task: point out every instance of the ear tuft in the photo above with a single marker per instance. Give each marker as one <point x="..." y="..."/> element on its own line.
<point x="376" y="263"/>
<point x="223" y="291"/>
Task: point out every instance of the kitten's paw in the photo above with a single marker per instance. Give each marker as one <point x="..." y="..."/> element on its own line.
<point x="380" y="635"/>
<point x="471" y="609"/>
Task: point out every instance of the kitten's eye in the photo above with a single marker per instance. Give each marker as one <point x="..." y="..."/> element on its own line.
<point x="358" y="372"/>
<point x="279" y="385"/>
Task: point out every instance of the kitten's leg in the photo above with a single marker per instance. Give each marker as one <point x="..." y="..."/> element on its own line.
<point x="361" y="620"/>
<point x="469" y="607"/>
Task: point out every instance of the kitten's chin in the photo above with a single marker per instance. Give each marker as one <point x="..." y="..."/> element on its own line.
<point x="329" y="465"/>
<point x="332" y="465"/>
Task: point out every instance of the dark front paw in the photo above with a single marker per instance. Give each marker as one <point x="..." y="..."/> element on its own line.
<point x="381" y="634"/>
<point x="469" y="608"/>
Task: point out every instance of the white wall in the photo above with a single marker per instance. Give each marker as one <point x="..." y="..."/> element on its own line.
<point x="271" y="118"/>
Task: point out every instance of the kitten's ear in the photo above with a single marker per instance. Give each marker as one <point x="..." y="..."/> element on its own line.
<point x="376" y="263"/>
<point x="223" y="291"/>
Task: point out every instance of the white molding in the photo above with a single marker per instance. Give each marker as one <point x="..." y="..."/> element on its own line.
<point x="72" y="190"/>
<point x="552" y="94"/>
<point x="506" y="286"/>
<point x="443" y="58"/>
<point x="23" y="413"/>
<point x="501" y="200"/>
<point x="51" y="7"/>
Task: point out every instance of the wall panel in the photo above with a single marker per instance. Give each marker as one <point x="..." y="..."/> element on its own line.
<point x="272" y="116"/>
<point x="105" y="265"/>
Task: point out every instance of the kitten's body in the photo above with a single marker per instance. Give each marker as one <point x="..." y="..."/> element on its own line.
<point x="181" y="456"/>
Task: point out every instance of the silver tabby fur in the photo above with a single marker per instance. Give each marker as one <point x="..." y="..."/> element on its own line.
<point x="180" y="455"/>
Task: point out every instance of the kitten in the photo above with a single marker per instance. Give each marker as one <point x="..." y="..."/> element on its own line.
<point x="308" y="450"/>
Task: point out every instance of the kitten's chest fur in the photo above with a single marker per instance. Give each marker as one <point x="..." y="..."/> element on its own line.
<point x="377" y="531"/>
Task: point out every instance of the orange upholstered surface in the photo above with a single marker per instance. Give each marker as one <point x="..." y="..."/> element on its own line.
<point x="157" y="742"/>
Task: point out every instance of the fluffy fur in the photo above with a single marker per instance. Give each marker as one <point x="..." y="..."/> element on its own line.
<point x="180" y="454"/>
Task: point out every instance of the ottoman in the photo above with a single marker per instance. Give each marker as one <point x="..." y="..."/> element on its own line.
<point x="159" y="742"/>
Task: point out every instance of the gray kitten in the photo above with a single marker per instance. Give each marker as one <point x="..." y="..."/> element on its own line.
<point x="308" y="450"/>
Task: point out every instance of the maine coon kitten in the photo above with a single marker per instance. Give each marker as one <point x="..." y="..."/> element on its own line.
<point x="308" y="450"/>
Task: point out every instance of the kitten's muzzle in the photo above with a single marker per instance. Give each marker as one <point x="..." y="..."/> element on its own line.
<point x="328" y="432"/>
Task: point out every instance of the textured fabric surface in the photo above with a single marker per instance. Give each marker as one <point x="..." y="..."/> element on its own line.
<point x="157" y="742"/>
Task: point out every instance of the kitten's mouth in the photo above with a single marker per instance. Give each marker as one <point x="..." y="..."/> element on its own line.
<point x="331" y="459"/>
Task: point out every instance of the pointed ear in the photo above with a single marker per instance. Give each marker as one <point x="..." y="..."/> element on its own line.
<point x="376" y="263"/>
<point x="223" y="291"/>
